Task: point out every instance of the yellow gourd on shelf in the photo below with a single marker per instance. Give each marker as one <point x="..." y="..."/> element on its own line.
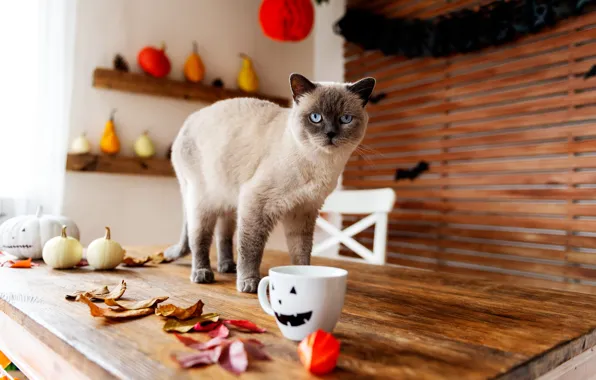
<point x="109" y="143"/>
<point x="194" y="69"/>
<point x="248" y="81"/>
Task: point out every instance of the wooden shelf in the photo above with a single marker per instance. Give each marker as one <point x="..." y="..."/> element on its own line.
<point x="145" y="84"/>
<point x="119" y="165"/>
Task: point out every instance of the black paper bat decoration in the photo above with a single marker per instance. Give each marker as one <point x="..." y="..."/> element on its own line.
<point x="590" y="73"/>
<point x="413" y="173"/>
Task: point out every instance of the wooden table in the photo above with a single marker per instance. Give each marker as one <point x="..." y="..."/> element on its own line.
<point x="397" y="323"/>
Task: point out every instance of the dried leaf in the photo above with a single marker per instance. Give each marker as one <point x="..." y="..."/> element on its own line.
<point x="245" y="325"/>
<point x="188" y="360"/>
<point x="131" y="261"/>
<point x="134" y="305"/>
<point x="160" y="258"/>
<point x="254" y="348"/>
<point x="186" y="340"/>
<point x="173" y="324"/>
<point x="233" y="357"/>
<point x="220" y="331"/>
<point x="18" y="263"/>
<point x="206" y="326"/>
<point x="171" y="310"/>
<point x="100" y="294"/>
<point x="83" y="263"/>
<point x="97" y="311"/>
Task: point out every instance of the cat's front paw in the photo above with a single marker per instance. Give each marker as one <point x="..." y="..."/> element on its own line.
<point x="248" y="285"/>
<point x="174" y="252"/>
<point x="226" y="267"/>
<point x="202" y="276"/>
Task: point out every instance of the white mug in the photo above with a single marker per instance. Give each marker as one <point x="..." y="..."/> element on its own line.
<point x="304" y="298"/>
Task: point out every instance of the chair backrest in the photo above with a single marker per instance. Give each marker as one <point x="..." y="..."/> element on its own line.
<point x="360" y="201"/>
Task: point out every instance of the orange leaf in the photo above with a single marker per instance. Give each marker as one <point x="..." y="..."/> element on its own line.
<point x="130" y="261"/>
<point x="97" y="311"/>
<point x="18" y="263"/>
<point x="100" y="294"/>
<point x="318" y="352"/>
<point x="160" y="258"/>
<point x="134" y="305"/>
<point x="170" y="310"/>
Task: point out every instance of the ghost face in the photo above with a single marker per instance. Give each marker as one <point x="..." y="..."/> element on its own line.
<point x="306" y="298"/>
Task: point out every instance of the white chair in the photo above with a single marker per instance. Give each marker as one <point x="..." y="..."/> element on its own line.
<point x="376" y="204"/>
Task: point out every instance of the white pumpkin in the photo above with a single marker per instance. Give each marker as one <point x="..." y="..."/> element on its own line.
<point x="62" y="252"/>
<point x="24" y="236"/>
<point x="104" y="253"/>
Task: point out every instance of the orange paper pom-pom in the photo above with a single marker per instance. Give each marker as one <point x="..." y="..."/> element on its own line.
<point x="318" y="352"/>
<point x="287" y="20"/>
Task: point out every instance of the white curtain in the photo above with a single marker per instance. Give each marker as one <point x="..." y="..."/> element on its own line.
<point x="37" y="44"/>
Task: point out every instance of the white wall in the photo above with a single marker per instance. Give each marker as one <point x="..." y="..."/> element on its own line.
<point x="147" y="210"/>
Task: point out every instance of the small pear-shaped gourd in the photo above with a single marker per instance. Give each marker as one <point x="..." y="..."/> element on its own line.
<point x="104" y="253"/>
<point x="109" y="143"/>
<point x="62" y="252"/>
<point x="247" y="79"/>
<point x="80" y="145"/>
<point x="143" y="147"/>
<point x="194" y="69"/>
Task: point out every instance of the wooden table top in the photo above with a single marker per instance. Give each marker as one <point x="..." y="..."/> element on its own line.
<point x="396" y="323"/>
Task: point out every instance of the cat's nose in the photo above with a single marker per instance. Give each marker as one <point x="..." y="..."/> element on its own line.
<point x="331" y="134"/>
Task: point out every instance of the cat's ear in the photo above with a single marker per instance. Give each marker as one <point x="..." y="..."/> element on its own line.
<point x="363" y="88"/>
<point x="300" y="86"/>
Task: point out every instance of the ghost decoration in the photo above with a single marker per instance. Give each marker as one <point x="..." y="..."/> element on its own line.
<point x="24" y="236"/>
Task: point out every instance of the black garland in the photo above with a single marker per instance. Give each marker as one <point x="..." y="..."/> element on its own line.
<point x="462" y="31"/>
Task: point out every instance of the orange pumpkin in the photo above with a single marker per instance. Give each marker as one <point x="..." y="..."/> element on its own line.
<point x="154" y="61"/>
<point x="318" y="352"/>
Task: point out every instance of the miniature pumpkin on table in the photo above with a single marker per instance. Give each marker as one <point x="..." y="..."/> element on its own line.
<point x="104" y="253"/>
<point x="24" y="236"/>
<point x="62" y="252"/>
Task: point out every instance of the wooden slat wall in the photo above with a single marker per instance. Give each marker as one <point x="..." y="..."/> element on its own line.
<point x="510" y="134"/>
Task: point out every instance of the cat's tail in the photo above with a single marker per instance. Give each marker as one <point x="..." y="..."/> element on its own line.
<point x="181" y="249"/>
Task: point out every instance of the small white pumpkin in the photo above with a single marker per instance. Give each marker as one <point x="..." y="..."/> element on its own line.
<point x="104" y="253"/>
<point x="80" y="145"/>
<point x="62" y="252"/>
<point x="24" y="236"/>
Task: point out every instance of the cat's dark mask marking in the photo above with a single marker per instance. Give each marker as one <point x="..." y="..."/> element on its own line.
<point x="363" y="88"/>
<point x="300" y="86"/>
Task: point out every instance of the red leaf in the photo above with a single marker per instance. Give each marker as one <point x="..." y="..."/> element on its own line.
<point x="255" y="350"/>
<point x="206" y="326"/>
<point x="186" y="340"/>
<point x="233" y="357"/>
<point x="211" y="343"/>
<point x="220" y="332"/>
<point x="246" y="325"/>
<point x="187" y="360"/>
<point x="83" y="263"/>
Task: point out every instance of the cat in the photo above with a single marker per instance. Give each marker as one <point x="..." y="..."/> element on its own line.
<point x="250" y="163"/>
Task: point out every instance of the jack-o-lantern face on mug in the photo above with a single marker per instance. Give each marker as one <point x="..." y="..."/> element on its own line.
<point x="286" y="302"/>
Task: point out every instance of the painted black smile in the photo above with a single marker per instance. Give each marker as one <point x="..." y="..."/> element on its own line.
<point x="17" y="246"/>
<point x="293" y="320"/>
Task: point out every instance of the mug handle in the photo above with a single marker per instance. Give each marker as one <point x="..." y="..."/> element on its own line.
<point x="263" y="300"/>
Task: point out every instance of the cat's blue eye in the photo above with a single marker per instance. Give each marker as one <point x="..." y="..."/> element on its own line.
<point x="315" y="117"/>
<point x="346" y="119"/>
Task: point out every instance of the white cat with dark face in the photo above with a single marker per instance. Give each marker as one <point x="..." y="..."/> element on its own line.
<point x="251" y="163"/>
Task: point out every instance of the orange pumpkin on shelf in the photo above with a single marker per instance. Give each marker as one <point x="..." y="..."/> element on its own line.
<point x="154" y="61"/>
